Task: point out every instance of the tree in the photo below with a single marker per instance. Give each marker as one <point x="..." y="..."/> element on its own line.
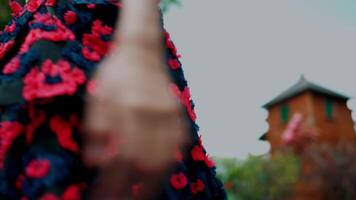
<point x="261" y="178"/>
<point x="330" y="171"/>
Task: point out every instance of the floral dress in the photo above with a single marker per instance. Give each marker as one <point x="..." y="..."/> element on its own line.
<point x="48" y="53"/>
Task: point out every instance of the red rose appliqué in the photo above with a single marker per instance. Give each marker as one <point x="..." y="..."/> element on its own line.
<point x="38" y="168"/>
<point x="64" y="130"/>
<point x="198" y="153"/>
<point x="35" y="85"/>
<point x="70" y="17"/>
<point x="197" y="186"/>
<point x="179" y="181"/>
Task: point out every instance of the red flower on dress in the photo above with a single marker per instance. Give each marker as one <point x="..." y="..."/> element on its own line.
<point x="16" y="8"/>
<point x="95" y="42"/>
<point x="35" y="85"/>
<point x="170" y="45"/>
<point x="209" y="162"/>
<point x="99" y="29"/>
<point x="90" y="55"/>
<point x="70" y="17"/>
<point x="198" y="153"/>
<point x="9" y="131"/>
<point x="60" y="34"/>
<point x="64" y="131"/>
<point x="197" y="186"/>
<point x="10" y="28"/>
<point x="185" y="99"/>
<point x="44" y="18"/>
<point x="179" y="181"/>
<point x="12" y="66"/>
<point x="73" y="192"/>
<point x="33" y="5"/>
<point x="94" y="47"/>
<point x="50" y="3"/>
<point x="174" y="64"/>
<point x="91" y="6"/>
<point x="38" y="168"/>
<point x="5" y="47"/>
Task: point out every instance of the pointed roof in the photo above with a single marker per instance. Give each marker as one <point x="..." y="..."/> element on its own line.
<point x="301" y="86"/>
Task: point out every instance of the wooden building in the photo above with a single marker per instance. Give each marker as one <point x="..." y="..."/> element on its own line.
<point x="323" y="110"/>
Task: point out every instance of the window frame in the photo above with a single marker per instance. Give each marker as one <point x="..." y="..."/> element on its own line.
<point x="284" y="113"/>
<point x="329" y="108"/>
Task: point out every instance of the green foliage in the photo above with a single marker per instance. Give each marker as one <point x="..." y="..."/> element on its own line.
<point x="260" y="178"/>
<point x="165" y="4"/>
<point x="4" y="13"/>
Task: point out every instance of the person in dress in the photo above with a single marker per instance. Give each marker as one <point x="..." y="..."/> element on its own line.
<point x="94" y="104"/>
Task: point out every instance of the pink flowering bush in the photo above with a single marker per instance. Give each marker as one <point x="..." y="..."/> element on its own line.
<point x="296" y="136"/>
<point x="329" y="171"/>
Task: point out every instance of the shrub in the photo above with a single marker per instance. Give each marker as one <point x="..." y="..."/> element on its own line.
<point x="330" y="171"/>
<point x="261" y="178"/>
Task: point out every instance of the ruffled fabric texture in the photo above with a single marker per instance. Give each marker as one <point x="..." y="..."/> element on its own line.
<point x="48" y="54"/>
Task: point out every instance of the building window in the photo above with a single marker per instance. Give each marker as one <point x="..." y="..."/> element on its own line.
<point x="329" y="109"/>
<point x="284" y="113"/>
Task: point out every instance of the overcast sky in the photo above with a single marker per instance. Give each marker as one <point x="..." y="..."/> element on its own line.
<point x="238" y="54"/>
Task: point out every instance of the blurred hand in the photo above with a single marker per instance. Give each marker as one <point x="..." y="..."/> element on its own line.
<point x="134" y="104"/>
<point x="134" y="122"/>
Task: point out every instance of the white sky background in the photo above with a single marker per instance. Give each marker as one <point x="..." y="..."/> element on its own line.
<point x="238" y="54"/>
